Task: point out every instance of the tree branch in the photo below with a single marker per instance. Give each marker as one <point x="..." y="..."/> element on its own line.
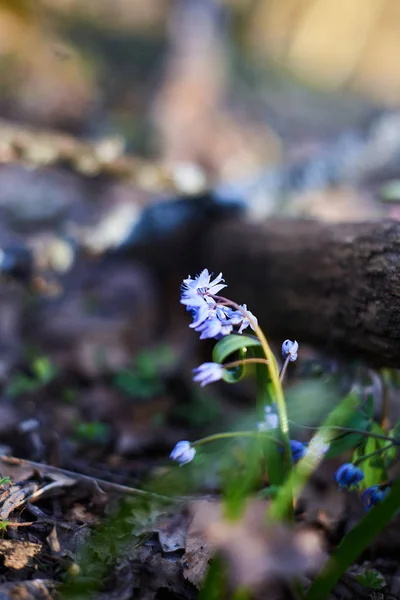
<point x="335" y="286"/>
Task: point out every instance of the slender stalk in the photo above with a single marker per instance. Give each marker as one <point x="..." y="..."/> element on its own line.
<point x="385" y="420"/>
<point x="363" y="432"/>
<point x="366" y="456"/>
<point x="230" y="434"/>
<point x="284" y="368"/>
<point x="274" y="374"/>
<point x="245" y="361"/>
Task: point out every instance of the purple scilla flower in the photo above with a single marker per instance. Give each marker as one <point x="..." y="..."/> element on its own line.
<point x="196" y="296"/>
<point x="348" y="476"/>
<point x="373" y="495"/>
<point x="195" y="291"/>
<point x="216" y="325"/>
<point x="208" y="373"/>
<point x="183" y="452"/>
<point x="298" y="450"/>
<point x="290" y="349"/>
<point x="202" y="314"/>
<point x="237" y="318"/>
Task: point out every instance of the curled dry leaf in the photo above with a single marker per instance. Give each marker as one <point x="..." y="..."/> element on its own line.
<point x="17" y="496"/>
<point x="256" y="551"/>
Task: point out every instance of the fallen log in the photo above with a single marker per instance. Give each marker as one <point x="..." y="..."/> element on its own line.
<point x="334" y="286"/>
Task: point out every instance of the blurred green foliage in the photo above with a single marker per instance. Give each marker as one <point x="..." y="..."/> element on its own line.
<point x="43" y="373"/>
<point x="144" y="379"/>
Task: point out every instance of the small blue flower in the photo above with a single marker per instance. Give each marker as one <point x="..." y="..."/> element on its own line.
<point x="348" y="476"/>
<point x="208" y="373"/>
<point x="183" y="452"/>
<point x="374" y="494"/>
<point x="298" y="450"/>
<point x="290" y="349"/>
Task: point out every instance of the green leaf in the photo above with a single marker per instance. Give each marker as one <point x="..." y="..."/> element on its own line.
<point x="134" y="385"/>
<point x="21" y="384"/>
<point x="373" y="467"/>
<point x="343" y="443"/>
<point x="215" y="583"/>
<point x="44" y="370"/>
<point x="243" y="475"/>
<point x="95" y="431"/>
<point x="391" y="453"/>
<point x="395" y="432"/>
<point x="357" y="419"/>
<point x="230" y="344"/>
<point x="372" y="579"/>
<point x="302" y="471"/>
<point x="233" y="375"/>
<point x="354" y="544"/>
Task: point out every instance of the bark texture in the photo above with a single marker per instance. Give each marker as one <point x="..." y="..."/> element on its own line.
<point x="335" y="286"/>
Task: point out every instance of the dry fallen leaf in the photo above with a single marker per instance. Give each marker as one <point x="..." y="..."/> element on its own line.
<point x="38" y="589"/>
<point x="255" y="551"/>
<point x="19" y="555"/>
<point x="172" y="532"/>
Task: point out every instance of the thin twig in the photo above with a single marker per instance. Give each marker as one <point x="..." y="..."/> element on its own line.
<point x="92" y="481"/>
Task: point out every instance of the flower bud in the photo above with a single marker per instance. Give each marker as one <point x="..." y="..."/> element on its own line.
<point x="183" y="452"/>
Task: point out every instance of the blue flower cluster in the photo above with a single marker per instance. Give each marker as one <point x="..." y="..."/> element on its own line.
<point x="211" y="318"/>
<point x="349" y="476"/>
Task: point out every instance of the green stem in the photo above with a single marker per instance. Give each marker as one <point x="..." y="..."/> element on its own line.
<point x="364" y="432"/>
<point x="274" y="375"/>
<point x="385" y="420"/>
<point x="366" y="456"/>
<point x="229" y="434"/>
<point x="283" y="370"/>
<point x="245" y="361"/>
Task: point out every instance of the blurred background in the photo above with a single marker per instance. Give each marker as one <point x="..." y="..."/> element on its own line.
<point x="231" y="84"/>
<point x="110" y="106"/>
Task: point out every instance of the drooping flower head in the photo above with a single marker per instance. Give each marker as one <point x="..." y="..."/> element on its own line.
<point x="208" y="373"/>
<point x="290" y="349"/>
<point x="183" y="452"/>
<point x="348" y="476"/>
<point x="374" y="495"/>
